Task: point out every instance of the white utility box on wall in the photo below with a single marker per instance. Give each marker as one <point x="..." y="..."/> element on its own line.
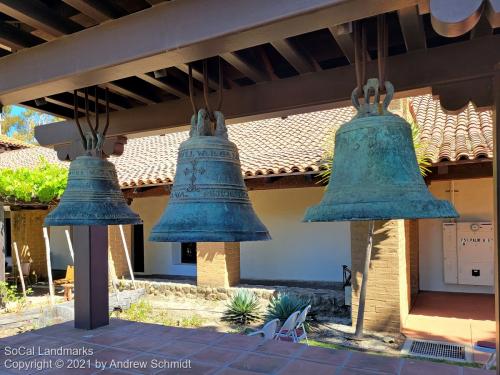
<point x="468" y="253"/>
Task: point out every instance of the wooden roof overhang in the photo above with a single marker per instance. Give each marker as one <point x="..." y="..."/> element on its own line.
<point x="280" y="57"/>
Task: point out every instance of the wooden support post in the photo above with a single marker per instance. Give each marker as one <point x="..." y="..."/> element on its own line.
<point x="19" y="269"/>
<point x="91" y="276"/>
<point x="2" y="244"/>
<point x="49" y="264"/>
<point x="496" y="192"/>
<point x="127" y="256"/>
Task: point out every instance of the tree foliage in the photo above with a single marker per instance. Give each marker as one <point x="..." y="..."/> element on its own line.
<point x="19" y="123"/>
<point x="43" y="184"/>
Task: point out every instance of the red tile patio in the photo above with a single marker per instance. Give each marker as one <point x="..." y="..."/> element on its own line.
<point x="463" y="318"/>
<point x="199" y="351"/>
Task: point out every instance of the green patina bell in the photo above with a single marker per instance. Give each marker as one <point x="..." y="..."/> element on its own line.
<point x="375" y="174"/>
<point x="92" y="196"/>
<point x="209" y="200"/>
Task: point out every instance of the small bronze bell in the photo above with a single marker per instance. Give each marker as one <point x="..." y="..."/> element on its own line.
<point x="375" y="175"/>
<point x="209" y="200"/>
<point x="92" y="196"/>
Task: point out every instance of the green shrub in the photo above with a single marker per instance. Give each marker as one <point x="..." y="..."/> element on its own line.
<point x="44" y="183"/>
<point x="283" y="305"/>
<point x="243" y="308"/>
<point x="9" y="293"/>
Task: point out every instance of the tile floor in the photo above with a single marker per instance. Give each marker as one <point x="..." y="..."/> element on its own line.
<point x="463" y="318"/>
<point x="152" y="349"/>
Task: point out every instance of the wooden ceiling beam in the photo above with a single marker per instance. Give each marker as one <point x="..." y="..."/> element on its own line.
<point x="99" y="11"/>
<point x="16" y="38"/>
<point x="197" y="75"/>
<point x="162" y="85"/>
<point x="299" y="62"/>
<point x="96" y="55"/>
<point x="62" y="103"/>
<point x="101" y="101"/>
<point x="412" y="28"/>
<point x="318" y="90"/>
<point x="127" y="92"/>
<point x="344" y="36"/>
<point x="39" y="16"/>
<point x="244" y="67"/>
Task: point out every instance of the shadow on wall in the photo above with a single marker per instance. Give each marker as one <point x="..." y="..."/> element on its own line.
<point x="359" y="240"/>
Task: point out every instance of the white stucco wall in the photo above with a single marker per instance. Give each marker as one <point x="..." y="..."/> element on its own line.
<point x="473" y="200"/>
<point x="60" y="256"/>
<point x="160" y="258"/>
<point x="298" y="251"/>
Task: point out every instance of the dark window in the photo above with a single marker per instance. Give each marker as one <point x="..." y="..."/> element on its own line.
<point x="188" y="252"/>
<point x="8" y="248"/>
<point x="138" y="248"/>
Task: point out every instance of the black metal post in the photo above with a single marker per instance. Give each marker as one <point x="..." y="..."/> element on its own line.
<point x="91" y="276"/>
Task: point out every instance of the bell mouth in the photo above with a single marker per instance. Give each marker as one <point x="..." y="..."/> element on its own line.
<point x="394" y="210"/>
<point x="209" y="236"/>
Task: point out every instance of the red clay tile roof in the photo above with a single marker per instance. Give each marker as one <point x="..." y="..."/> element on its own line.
<point x="295" y="144"/>
<point x="9" y="142"/>
<point x="466" y="136"/>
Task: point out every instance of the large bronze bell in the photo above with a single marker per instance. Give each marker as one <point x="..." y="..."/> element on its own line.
<point x="209" y="200"/>
<point x="92" y="196"/>
<point x="375" y="175"/>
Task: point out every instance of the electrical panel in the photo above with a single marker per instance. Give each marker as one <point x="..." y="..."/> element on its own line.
<point x="468" y="253"/>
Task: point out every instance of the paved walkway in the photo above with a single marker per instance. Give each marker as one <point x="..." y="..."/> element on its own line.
<point x="192" y="351"/>
<point x="463" y="318"/>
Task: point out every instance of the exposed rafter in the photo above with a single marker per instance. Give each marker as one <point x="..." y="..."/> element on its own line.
<point x="412" y="28"/>
<point x="127" y="92"/>
<point x="101" y="101"/>
<point x="343" y="35"/>
<point x="39" y="16"/>
<point x="16" y="38"/>
<point x="98" y="10"/>
<point x="197" y="75"/>
<point x="244" y="67"/>
<point x="300" y="63"/>
<point x="428" y="67"/>
<point x="162" y="85"/>
<point x="75" y="55"/>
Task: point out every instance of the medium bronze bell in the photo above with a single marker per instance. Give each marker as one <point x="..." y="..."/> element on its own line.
<point x="92" y="196"/>
<point x="375" y="174"/>
<point x="209" y="200"/>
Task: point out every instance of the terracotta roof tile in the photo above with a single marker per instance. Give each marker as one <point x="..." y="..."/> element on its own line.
<point x="14" y="143"/>
<point x="294" y="144"/>
<point x="466" y="136"/>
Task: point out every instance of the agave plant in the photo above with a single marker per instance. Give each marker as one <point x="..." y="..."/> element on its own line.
<point x="242" y="308"/>
<point x="283" y="305"/>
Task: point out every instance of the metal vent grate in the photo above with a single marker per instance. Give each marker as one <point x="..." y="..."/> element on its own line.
<point x="435" y="349"/>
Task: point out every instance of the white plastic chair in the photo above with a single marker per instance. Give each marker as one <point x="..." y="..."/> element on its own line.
<point x="287" y="330"/>
<point x="300" y="329"/>
<point x="268" y="331"/>
<point x="490" y="348"/>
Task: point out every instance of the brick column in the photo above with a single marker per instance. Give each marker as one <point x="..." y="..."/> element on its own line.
<point x="386" y="296"/>
<point x="26" y="231"/>
<point x="218" y="264"/>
